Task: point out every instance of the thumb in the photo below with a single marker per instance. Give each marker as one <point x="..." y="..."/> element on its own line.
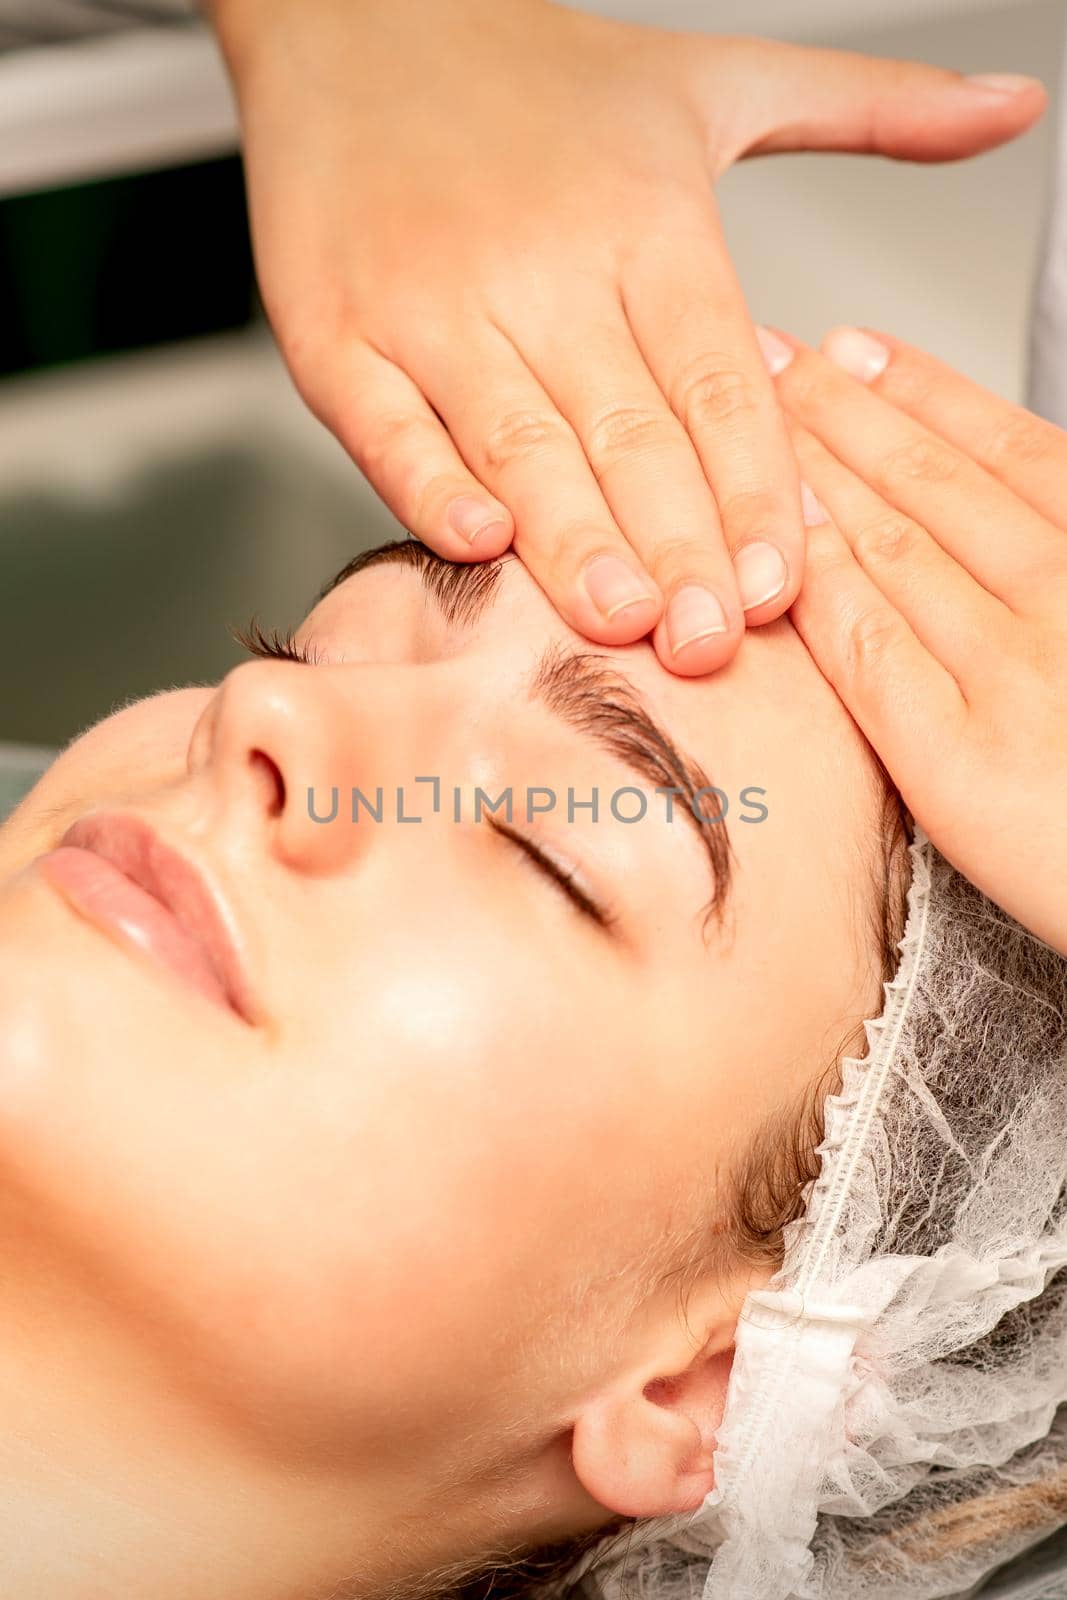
<point x="788" y="97"/>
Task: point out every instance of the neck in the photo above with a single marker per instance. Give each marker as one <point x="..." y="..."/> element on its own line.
<point x="114" y="1482"/>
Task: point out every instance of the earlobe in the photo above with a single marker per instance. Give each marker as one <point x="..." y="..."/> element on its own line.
<point x="645" y="1447"/>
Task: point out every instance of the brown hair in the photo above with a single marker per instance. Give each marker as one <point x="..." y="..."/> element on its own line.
<point x="769" y="1187"/>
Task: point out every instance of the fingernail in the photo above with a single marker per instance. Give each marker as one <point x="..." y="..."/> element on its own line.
<point x="612" y="586"/>
<point x="1001" y="82"/>
<point x="694" y="613"/>
<point x="776" y="353"/>
<point x="856" y="353"/>
<point x="812" y="508"/>
<point x="761" y="573"/>
<point x="470" y="517"/>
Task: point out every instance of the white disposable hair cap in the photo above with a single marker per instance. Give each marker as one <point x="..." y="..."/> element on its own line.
<point x="892" y="1425"/>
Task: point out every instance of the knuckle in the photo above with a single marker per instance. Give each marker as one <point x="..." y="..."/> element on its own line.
<point x="672" y="203"/>
<point x="673" y="557"/>
<point x="299" y="339"/>
<point x="885" y="540"/>
<point x="920" y="461"/>
<point x="710" y="391"/>
<point x="428" y="496"/>
<point x="519" y="437"/>
<point x="1016" y="440"/>
<point x="561" y="552"/>
<point x="748" y="512"/>
<point x="306" y="374"/>
<point x="391" y="441"/>
<point x="827" y="556"/>
<point x="309" y="336"/>
<point x="908" y="383"/>
<point x="1035" y="588"/>
<point x="809" y="391"/>
<point x="1043" y="654"/>
<point x="621" y="430"/>
<point x="872" y="638"/>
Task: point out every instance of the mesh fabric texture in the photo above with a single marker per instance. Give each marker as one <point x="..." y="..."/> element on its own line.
<point x="906" y="1367"/>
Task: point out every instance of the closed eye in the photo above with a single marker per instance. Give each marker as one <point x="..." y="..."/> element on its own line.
<point x="560" y="876"/>
<point x="274" y="646"/>
<point x="277" y="646"/>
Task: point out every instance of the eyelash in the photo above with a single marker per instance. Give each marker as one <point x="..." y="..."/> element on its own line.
<point x="274" y="646"/>
<point x="281" y="647"/>
<point x="559" y="877"/>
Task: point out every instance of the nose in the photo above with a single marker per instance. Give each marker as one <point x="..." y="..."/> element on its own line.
<point x="282" y="746"/>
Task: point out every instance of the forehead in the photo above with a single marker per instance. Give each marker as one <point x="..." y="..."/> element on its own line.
<point x="768" y="710"/>
<point x="767" y="724"/>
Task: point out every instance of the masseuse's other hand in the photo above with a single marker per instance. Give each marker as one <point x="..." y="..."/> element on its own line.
<point x="935" y="602"/>
<point x="487" y="243"/>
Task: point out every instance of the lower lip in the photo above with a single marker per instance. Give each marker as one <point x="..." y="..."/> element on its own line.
<point x="105" y="896"/>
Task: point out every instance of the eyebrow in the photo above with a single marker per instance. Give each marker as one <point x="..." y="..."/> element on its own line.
<point x="583" y="690"/>
<point x="462" y="592"/>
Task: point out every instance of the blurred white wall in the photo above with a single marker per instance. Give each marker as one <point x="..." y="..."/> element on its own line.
<point x="790" y="19"/>
<point x="944" y="255"/>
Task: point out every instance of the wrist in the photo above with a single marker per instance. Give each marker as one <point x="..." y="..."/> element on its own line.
<point x="245" y="27"/>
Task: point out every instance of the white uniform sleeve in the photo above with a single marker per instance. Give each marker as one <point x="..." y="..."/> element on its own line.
<point x="1047" y="386"/>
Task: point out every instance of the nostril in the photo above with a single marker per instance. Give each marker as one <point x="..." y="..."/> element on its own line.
<point x="270" y="775"/>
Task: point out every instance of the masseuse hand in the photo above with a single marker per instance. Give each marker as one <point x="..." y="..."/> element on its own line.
<point x="935" y="602"/>
<point x="487" y="243"/>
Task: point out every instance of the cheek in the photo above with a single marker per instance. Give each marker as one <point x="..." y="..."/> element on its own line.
<point x="456" y="1096"/>
<point x="127" y="755"/>
<point x="467" y="1113"/>
<point x="305" y="1228"/>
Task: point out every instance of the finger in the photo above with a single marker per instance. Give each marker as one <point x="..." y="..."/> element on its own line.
<point x="1005" y="545"/>
<point x="650" y="477"/>
<point x="1025" y="452"/>
<point x="392" y="434"/>
<point x="798" y="98"/>
<point x="514" y="439"/>
<point x="691" y="325"/>
<point x="905" y="702"/>
<point x="951" y="615"/>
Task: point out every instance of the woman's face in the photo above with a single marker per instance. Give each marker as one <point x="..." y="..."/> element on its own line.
<point x="356" y="1222"/>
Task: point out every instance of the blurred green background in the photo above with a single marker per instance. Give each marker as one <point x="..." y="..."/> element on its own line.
<point x="156" y="479"/>
<point x="130" y="261"/>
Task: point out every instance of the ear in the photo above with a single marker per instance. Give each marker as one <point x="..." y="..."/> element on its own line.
<point x="644" y="1445"/>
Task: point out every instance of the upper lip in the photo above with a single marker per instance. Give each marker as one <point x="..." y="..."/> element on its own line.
<point x="134" y="847"/>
